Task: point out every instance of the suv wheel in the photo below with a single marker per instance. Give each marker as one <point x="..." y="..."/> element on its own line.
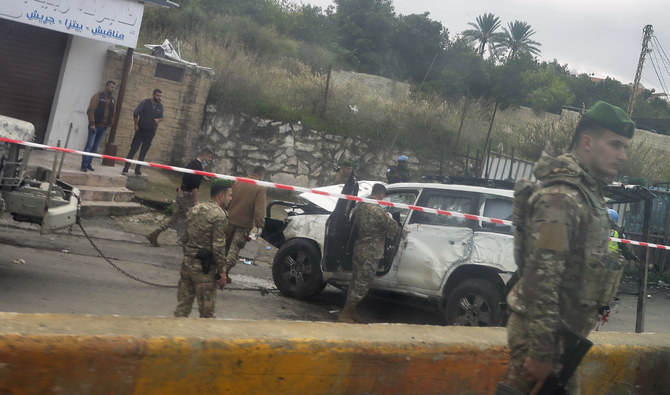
<point x="296" y="271"/>
<point x="474" y="303"/>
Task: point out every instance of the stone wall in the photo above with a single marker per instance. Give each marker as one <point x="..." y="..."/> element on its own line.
<point x="291" y="153"/>
<point x="177" y="136"/>
<point x="295" y="155"/>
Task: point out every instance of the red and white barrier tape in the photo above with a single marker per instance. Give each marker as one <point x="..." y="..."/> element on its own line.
<point x="640" y="243"/>
<point x="301" y="189"/>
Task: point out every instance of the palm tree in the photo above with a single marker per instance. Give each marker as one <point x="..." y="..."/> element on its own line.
<point x="484" y="34"/>
<point x="517" y="39"/>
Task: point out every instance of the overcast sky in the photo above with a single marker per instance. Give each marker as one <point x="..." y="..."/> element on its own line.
<point x="603" y="37"/>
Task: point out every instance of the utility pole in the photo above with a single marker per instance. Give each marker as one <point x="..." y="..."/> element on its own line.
<point x="648" y="31"/>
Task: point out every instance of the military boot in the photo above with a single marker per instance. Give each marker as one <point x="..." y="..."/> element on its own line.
<point x="153" y="237"/>
<point x="350" y="315"/>
<point x="346" y="316"/>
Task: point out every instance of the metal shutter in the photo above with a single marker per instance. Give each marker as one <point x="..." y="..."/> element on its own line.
<point x="30" y="62"/>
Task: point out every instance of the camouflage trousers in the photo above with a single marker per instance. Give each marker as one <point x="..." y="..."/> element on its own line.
<point x="184" y="201"/>
<point x="194" y="284"/>
<point x="517" y="376"/>
<point x="236" y="239"/>
<point x="364" y="270"/>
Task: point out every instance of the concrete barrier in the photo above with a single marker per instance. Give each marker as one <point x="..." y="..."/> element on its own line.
<point x="78" y="354"/>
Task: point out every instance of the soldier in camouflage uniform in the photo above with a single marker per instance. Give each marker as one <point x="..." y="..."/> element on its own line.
<point x="398" y="173"/>
<point x="374" y="226"/>
<point x="346" y="167"/>
<point x="205" y="227"/>
<point x="566" y="271"/>
<point x="187" y="197"/>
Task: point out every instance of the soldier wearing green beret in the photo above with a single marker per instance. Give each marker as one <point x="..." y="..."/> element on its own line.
<point x="346" y="167"/>
<point x="204" y="252"/>
<point x="565" y="270"/>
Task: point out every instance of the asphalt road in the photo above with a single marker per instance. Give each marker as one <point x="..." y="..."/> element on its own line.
<point x="63" y="273"/>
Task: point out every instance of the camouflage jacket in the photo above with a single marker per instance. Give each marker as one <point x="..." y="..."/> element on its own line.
<point x="204" y="223"/>
<point x="397" y="174"/>
<point x="566" y="238"/>
<point x="374" y="225"/>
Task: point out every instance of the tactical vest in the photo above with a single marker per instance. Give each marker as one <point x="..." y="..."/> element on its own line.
<point x="103" y="104"/>
<point x="147" y="116"/>
<point x="592" y="273"/>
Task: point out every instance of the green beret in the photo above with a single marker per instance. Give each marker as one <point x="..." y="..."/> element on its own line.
<point x="347" y="163"/>
<point x="222" y="183"/>
<point x="612" y="118"/>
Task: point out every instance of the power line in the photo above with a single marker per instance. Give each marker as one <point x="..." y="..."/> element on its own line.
<point x="662" y="54"/>
<point x="657" y="54"/>
<point x="661" y="80"/>
<point x="658" y="43"/>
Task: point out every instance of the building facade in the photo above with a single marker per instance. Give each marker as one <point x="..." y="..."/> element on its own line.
<point x="53" y="56"/>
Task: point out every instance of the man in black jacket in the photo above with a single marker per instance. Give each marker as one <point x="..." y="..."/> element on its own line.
<point x="100" y="115"/>
<point x="187" y="197"/>
<point x="147" y="116"/>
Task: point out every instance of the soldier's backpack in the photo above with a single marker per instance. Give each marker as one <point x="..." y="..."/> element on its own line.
<point x="523" y="190"/>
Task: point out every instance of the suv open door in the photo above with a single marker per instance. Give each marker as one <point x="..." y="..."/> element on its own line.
<point x="338" y="241"/>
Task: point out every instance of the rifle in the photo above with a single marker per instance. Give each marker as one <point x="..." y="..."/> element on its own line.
<point x="575" y="348"/>
<point x="206" y="256"/>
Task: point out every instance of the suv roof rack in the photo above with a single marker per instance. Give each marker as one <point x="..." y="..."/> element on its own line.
<point x="473" y="181"/>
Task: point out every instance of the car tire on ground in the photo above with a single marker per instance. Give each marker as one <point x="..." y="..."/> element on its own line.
<point x="474" y="302"/>
<point x="296" y="269"/>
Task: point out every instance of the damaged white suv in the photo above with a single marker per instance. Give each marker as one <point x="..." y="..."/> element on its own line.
<point x="462" y="263"/>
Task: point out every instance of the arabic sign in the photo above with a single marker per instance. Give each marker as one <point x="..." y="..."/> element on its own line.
<point x="112" y="21"/>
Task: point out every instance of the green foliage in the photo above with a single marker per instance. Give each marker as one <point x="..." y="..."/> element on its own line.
<point x="507" y="80"/>
<point x="271" y="56"/>
<point x="364" y="27"/>
<point x="516" y="38"/>
<point x="484" y="34"/>
<point x="417" y="42"/>
<point x="529" y="139"/>
<point x="644" y="160"/>
<point x="463" y="73"/>
<point x="544" y="91"/>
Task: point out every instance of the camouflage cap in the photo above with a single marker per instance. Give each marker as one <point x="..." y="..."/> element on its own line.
<point x="222" y="183"/>
<point x="612" y="118"/>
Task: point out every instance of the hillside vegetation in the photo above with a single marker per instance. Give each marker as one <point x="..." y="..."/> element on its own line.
<point x="272" y="59"/>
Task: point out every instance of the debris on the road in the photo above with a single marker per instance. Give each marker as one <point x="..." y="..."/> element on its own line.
<point x="19" y="261"/>
<point x="334" y="311"/>
<point x="65" y="251"/>
<point x="247" y="261"/>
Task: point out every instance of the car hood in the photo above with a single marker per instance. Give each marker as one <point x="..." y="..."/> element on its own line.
<point x="328" y="202"/>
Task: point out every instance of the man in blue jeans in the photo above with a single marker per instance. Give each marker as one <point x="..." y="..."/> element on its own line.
<point x="147" y="116"/>
<point x="100" y="114"/>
